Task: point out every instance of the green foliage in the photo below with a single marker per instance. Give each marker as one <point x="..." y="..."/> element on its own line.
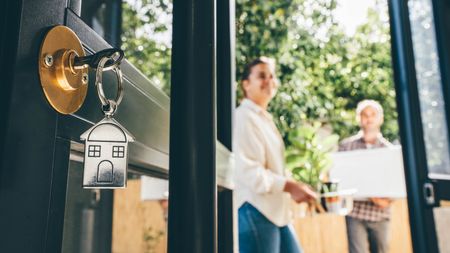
<point x="370" y="73"/>
<point x="324" y="73"/>
<point x="260" y="23"/>
<point x="261" y="27"/>
<point x="308" y="155"/>
<point x="145" y="21"/>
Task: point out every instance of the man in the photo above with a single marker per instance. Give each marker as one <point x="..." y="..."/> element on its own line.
<point x="368" y="223"/>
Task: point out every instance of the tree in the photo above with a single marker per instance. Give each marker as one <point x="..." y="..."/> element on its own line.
<point x="261" y="27"/>
<point x="146" y="33"/>
<point x="370" y="72"/>
<point x="323" y="72"/>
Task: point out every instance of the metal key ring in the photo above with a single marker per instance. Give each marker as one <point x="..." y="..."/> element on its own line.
<point x="98" y="83"/>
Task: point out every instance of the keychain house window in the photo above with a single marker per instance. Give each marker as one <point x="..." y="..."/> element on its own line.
<point x="118" y="151"/>
<point x="94" y="150"/>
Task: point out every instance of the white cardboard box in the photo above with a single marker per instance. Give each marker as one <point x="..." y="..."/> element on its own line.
<point x="154" y="188"/>
<point x="373" y="172"/>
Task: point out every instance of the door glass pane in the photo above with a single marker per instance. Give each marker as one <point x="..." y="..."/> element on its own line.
<point x="104" y="18"/>
<point x="142" y="28"/>
<point x="431" y="98"/>
<point x="140" y="216"/>
<point x="87" y="217"/>
<point x="130" y="220"/>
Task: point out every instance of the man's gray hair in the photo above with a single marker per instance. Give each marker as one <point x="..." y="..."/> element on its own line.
<point x="368" y="103"/>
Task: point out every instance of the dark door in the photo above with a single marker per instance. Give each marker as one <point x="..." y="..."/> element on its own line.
<point x="420" y="31"/>
<point x="43" y="207"/>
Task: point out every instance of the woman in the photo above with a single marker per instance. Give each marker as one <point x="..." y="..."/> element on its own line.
<point x="262" y="190"/>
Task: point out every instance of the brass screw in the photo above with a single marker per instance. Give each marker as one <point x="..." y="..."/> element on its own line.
<point x="48" y="60"/>
<point x="85" y="78"/>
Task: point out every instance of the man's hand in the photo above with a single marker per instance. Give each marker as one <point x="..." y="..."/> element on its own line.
<point x="299" y="192"/>
<point x="381" y="202"/>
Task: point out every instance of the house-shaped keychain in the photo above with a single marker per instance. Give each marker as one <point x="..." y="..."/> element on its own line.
<point x="106" y="155"/>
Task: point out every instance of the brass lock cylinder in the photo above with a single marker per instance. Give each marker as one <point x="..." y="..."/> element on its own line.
<point x="64" y="85"/>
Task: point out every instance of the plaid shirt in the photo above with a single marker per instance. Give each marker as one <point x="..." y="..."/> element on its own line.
<point x="366" y="210"/>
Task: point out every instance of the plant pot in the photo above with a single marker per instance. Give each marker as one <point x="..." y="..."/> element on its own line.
<point x="339" y="202"/>
<point x="330" y="186"/>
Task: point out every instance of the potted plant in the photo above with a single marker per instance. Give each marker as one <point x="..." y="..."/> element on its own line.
<point x="308" y="159"/>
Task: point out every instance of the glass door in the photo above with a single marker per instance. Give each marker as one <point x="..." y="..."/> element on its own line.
<point x="120" y="221"/>
<point x="421" y="76"/>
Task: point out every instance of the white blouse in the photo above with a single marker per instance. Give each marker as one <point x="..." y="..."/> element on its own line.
<point x="259" y="152"/>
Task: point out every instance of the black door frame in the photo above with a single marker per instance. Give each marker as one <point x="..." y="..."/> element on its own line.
<point x="419" y="185"/>
<point x="225" y="12"/>
<point x="202" y="62"/>
<point x="193" y="129"/>
<point x="441" y="11"/>
<point x="28" y="168"/>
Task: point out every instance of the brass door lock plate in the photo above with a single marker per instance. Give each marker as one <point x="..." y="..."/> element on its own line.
<point x="64" y="85"/>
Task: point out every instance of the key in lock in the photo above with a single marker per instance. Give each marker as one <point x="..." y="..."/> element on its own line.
<point x="106" y="143"/>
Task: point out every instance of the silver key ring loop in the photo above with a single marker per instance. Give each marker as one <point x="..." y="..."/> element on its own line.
<point x="110" y="109"/>
<point x="111" y="105"/>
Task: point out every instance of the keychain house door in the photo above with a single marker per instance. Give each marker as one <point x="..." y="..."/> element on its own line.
<point x="43" y="206"/>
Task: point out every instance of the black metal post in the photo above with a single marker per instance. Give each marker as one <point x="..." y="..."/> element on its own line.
<point x="10" y="12"/>
<point x="225" y="106"/>
<point x="192" y="176"/>
<point x="225" y="71"/>
<point x="441" y="10"/>
<point x="113" y="24"/>
<point x="421" y="217"/>
<point x="226" y="220"/>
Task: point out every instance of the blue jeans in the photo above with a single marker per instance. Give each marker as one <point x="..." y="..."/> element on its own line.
<point x="258" y="235"/>
<point x="367" y="236"/>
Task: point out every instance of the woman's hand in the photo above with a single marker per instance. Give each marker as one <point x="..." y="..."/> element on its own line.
<point x="381" y="202"/>
<point x="299" y="192"/>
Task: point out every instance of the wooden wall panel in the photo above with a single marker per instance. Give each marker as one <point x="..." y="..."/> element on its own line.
<point x="132" y="220"/>
<point x="322" y="233"/>
<point x="326" y="233"/>
<point x="400" y="233"/>
<point x="442" y="221"/>
<point x="319" y="233"/>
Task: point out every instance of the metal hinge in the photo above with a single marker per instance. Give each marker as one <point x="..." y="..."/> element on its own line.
<point x="428" y="194"/>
